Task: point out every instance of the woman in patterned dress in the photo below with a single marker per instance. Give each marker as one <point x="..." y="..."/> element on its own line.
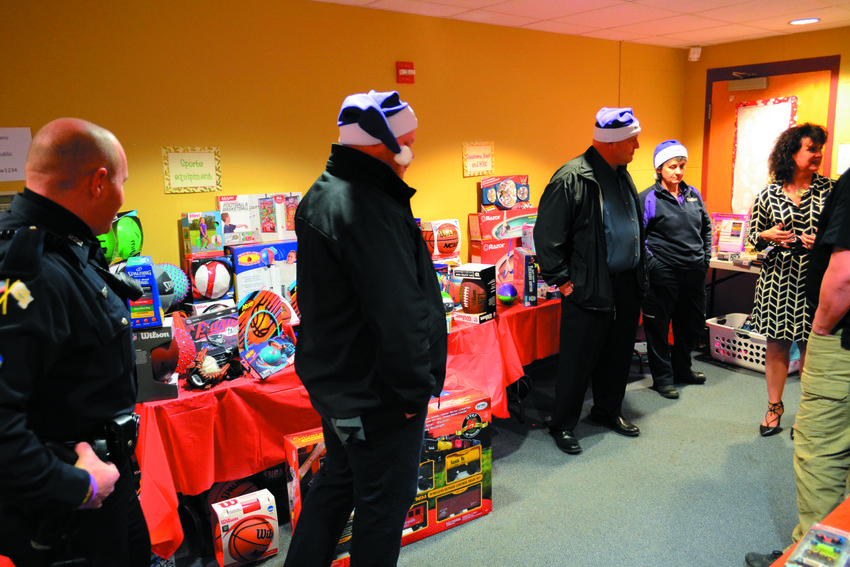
<point x="785" y="216"/>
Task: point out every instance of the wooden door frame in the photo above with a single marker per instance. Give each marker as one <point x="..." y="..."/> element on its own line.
<point x="829" y="63"/>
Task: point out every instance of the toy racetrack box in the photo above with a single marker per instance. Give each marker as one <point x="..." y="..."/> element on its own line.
<point x="246" y="528"/>
<point x="147" y="310"/>
<point x="269" y="265"/>
<point x="455" y="474"/>
<point x="201" y="234"/>
<point x="477" y="292"/>
<point x="505" y="192"/>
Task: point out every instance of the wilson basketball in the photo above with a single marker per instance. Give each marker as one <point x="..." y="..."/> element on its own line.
<point x="428" y="235"/>
<point x="250" y="538"/>
<point x="213" y="280"/>
<point x="447" y="238"/>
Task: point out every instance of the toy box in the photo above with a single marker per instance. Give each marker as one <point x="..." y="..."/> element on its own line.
<point x="268" y="265"/>
<point x="147" y="310"/>
<point x="443" y="238"/>
<point x="822" y="545"/>
<point x="506" y="192"/>
<point x="156" y="361"/>
<point x="455" y="473"/>
<point x="527" y="282"/>
<point x="528" y="237"/>
<point x="211" y="277"/>
<point x="500" y="253"/>
<point x="201" y="234"/>
<point x="200" y="307"/>
<point x="259" y="217"/>
<point x="477" y="292"/>
<point x="498" y="225"/>
<point x="245" y="529"/>
<point x="729" y="232"/>
<point x="214" y="329"/>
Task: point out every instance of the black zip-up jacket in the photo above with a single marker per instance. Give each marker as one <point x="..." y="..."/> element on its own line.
<point x="373" y="327"/>
<point x="569" y="235"/>
<point x="678" y="235"/>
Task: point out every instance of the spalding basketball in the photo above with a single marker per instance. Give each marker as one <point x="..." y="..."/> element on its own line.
<point x="447" y="238"/>
<point x="213" y="279"/>
<point x="473" y="296"/>
<point x="428" y="235"/>
<point x="250" y="538"/>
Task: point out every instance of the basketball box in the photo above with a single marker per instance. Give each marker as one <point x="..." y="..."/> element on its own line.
<point x="268" y="265"/>
<point x="245" y="529"/>
<point x="443" y="239"/>
<point x="201" y="234"/>
<point x="477" y="292"/>
<point x="147" y="310"/>
<point x="455" y="473"/>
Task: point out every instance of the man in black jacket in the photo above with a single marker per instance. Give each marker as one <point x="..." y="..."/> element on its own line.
<point x="372" y="343"/>
<point x="589" y="242"/>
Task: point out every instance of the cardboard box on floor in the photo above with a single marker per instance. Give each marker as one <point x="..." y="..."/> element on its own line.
<point x="455" y="473"/>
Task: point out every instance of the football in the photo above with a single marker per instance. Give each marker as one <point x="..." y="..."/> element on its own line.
<point x="473" y="296"/>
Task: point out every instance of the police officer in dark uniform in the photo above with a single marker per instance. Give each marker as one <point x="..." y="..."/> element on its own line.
<point x="67" y="362"/>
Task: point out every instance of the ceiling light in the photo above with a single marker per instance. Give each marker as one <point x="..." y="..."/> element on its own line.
<point x="804" y="21"/>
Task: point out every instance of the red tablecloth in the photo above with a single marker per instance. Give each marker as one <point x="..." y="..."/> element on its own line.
<point x="236" y="429"/>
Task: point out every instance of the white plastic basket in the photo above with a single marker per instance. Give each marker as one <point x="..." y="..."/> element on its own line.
<point x="732" y="344"/>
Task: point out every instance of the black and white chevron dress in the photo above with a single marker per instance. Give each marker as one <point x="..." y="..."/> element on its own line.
<point x="780" y="301"/>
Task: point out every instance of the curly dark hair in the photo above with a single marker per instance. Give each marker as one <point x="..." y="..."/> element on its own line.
<point x="781" y="163"/>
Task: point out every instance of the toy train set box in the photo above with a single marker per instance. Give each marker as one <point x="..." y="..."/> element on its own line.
<point x="455" y="471"/>
<point x="245" y="529"/>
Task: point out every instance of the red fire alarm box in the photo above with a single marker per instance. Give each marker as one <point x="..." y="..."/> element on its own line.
<point x="404" y="72"/>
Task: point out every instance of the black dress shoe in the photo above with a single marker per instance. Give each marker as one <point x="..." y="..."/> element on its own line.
<point x="693" y="378"/>
<point x="666" y="390"/>
<point x="566" y="441"/>
<point x="618" y="425"/>
<point x="761" y="559"/>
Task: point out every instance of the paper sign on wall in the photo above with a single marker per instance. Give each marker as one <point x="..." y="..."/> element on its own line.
<point x="191" y="170"/>
<point x="478" y="159"/>
<point x="14" y="144"/>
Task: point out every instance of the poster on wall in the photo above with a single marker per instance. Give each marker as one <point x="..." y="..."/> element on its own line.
<point x="191" y="170"/>
<point x="757" y="124"/>
<point x="478" y="159"/>
<point x="14" y="144"/>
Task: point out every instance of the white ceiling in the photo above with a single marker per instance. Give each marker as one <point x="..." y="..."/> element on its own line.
<point x="671" y="23"/>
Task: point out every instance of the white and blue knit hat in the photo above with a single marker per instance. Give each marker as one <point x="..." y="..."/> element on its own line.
<point x="367" y="119"/>
<point x="615" y="125"/>
<point x="665" y="151"/>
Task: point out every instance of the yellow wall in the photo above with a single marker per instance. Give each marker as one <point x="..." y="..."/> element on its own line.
<point x="264" y="82"/>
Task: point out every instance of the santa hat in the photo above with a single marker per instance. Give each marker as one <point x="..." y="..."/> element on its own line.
<point x="615" y="125"/>
<point x="367" y="119"/>
<point x="665" y="151"/>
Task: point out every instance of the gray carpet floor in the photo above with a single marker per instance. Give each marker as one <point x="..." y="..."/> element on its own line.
<point x="698" y="488"/>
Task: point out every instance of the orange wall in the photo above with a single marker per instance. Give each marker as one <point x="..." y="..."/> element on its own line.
<point x="264" y="82"/>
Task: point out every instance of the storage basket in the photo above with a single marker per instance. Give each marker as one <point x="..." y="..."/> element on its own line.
<point x="730" y="343"/>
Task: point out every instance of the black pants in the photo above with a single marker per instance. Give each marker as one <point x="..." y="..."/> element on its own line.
<point x="596" y="349"/>
<point x="377" y="478"/>
<point x="114" y="534"/>
<point x="676" y="295"/>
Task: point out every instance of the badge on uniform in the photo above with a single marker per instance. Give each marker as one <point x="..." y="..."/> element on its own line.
<point x="18" y="290"/>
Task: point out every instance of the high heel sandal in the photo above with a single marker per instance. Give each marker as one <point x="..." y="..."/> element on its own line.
<point x="768" y="430"/>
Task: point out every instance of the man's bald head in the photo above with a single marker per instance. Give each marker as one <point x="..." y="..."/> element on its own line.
<point x="81" y="166"/>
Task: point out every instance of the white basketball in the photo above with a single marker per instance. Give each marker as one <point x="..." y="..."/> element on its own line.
<point x="213" y="280"/>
